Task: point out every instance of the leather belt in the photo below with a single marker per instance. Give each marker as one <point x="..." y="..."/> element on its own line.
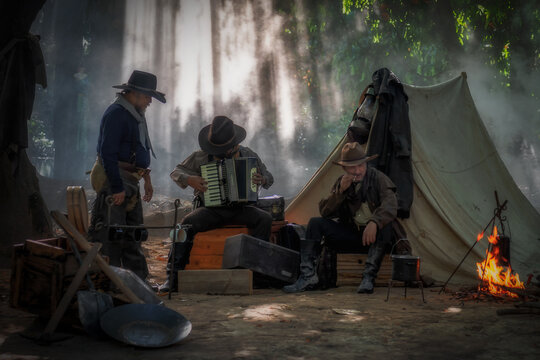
<point x="133" y="169"/>
<point x="129" y="167"/>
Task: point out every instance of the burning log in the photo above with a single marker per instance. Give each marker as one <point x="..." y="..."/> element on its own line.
<point x="495" y="271"/>
<point x="531" y="293"/>
<point x="473" y="294"/>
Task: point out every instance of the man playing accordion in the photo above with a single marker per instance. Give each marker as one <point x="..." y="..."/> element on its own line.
<point x="219" y="140"/>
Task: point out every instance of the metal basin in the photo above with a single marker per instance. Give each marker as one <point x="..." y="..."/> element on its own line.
<point x="145" y="325"/>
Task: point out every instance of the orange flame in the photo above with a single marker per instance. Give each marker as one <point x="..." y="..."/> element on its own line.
<point x="480" y="236"/>
<point x="497" y="278"/>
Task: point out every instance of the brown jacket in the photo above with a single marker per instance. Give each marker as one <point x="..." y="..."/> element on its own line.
<point x="377" y="189"/>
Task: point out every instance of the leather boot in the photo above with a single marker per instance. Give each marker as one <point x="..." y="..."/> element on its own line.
<point x="181" y="259"/>
<point x="309" y="259"/>
<point x="366" y="286"/>
<point x="373" y="263"/>
<point x="374" y="259"/>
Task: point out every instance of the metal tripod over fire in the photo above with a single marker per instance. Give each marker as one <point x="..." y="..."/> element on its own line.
<point x="503" y="242"/>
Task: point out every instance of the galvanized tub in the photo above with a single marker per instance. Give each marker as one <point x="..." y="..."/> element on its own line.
<point x="145" y="325"/>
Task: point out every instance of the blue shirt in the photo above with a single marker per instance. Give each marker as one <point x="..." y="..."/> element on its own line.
<point x="118" y="140"/>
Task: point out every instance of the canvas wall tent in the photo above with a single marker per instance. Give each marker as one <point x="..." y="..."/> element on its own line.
<point x="456" y="170"/>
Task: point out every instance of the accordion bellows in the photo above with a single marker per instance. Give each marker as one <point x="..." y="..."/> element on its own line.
<point x="230" y="182"/>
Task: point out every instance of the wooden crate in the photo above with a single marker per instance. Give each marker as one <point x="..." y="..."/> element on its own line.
<point x="216" y="281"/>
<point x="208" y="246"/>
<point x="41" y="273"/>
<point x="351" y="266"/>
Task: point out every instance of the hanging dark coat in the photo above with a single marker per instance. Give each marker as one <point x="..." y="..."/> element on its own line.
<point x="390" y="136"/>
<point x="21" y="67"/>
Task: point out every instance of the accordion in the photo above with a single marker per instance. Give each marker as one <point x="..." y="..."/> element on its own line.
<point x="230" y="182"/>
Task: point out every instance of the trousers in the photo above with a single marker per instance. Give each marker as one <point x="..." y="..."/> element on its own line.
<point x="346" y="238"/>
<point x="122" y="246"/>
<point x="258" y="222"/>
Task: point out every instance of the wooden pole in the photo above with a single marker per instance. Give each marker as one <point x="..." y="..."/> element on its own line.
<point x="85" y="245"/>
<point x="64" y="303"/>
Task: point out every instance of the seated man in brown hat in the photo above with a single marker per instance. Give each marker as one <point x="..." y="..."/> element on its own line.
<point x="365" y="204"/>
<point x="219" y="140"/>
<point x="123" y="158"/>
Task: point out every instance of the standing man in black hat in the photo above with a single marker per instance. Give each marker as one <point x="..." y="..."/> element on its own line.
<point x="364" y="202"/>
<point x="219" y="140"/>
<point x="123" y="159"/>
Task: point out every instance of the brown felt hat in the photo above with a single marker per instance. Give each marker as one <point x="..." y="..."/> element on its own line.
<point x="352" y="155"/>
<point x="144" y="83"/>
<point x="220" y="136"/>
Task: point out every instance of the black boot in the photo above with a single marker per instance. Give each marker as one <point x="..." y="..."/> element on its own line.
<point x="181" y="259"/>
<point x="373" y="263"/>
<point x="374" y="259"/>
<point x="366" y="286"/>
<point x="309" y="259"/>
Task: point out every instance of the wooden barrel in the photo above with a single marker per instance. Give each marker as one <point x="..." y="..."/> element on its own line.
<point x="77" y="208"/>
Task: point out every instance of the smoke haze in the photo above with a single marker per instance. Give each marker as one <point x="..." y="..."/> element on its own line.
<point x="235" y="58"/>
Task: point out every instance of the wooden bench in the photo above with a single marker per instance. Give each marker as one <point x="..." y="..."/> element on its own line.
<point x="351" y="266"/>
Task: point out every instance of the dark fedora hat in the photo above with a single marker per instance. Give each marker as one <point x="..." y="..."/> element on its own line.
<point x="352" y="155"/>
<point x="144" y="83"/>
<point x="220" y="136"/>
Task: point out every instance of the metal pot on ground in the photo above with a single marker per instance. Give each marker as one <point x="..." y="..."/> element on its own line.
<point x="405" y="268"/>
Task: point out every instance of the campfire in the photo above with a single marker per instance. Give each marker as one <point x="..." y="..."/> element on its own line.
<point x="495" y="272"/>
<point x="497" y="279"/>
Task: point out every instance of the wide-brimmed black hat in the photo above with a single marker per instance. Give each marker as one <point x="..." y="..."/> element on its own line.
<point x="220" y="136"/>
<point x="143" y="82"/>
<point x="352" y="155"/>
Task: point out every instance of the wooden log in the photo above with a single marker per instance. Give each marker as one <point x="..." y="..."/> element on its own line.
<point x="222" y="281"/>
<point x="530" y="291"/>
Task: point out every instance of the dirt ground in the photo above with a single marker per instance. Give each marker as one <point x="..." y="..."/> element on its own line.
<point x="331" y="324"/>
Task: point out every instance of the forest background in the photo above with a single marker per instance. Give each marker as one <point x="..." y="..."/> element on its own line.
<point x="306" y="64"/>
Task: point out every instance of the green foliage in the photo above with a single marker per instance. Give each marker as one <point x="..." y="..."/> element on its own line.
<point x="423" y="41"/>
<point x="491" y="27"/>
<point x="40" y="144"/>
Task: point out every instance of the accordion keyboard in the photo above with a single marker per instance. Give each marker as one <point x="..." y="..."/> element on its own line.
<point x="229" y="182"/>
<point x="214" y="196"/>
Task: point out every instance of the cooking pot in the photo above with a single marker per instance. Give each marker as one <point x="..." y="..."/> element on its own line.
<point x="405" y="267"/>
